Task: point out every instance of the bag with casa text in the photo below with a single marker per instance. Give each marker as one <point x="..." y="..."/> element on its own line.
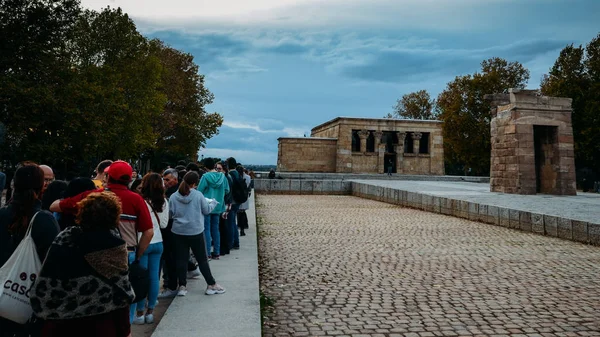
<point x="17" y="275"/>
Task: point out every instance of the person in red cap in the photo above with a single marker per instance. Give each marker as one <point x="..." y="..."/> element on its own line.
<point x="135" y="217"/>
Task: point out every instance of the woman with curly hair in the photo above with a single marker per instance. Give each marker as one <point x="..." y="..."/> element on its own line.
<point x="83" y="288"/>
<point x="153" y="192"/>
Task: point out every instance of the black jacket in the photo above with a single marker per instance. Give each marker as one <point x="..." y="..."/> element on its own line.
<point x="45" y="228"/>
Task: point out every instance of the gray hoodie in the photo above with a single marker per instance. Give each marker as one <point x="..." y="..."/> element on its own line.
<point x="188" y="212"/>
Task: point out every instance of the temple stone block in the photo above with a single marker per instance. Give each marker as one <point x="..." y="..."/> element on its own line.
<point x="532" y="144"/>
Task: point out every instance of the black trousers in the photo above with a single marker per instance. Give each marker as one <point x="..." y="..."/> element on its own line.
<point x="168" y="262"/>
<point x="224" y="234"/>
<point x="183" y="244"/>
<point x="242" y="219"/>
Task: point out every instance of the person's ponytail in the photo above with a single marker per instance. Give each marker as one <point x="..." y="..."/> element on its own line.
<point x="191" y="178"/>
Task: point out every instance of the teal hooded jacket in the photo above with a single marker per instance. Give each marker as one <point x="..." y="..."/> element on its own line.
<point x="214" y="185"/>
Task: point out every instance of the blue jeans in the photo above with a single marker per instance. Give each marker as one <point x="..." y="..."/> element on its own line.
<point x="234" y="235"/>
<point x="211" y="233"/>
<point x="151" y="261"/>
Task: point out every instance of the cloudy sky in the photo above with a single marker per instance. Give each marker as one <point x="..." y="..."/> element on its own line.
<point x="280" y="67"/>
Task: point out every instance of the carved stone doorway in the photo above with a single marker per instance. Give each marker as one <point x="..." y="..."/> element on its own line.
<point x="389" y="159"/>
<point x="545" y="139"/>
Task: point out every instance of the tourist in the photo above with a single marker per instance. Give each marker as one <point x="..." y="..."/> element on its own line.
<point x="242" y="217"/>
<point x="15" y="218"/>
<point x="170" y="178"/>
<point x="135" y="217"/>
<point x="213" y="185"/>
<point x="153" y="192"/>
<point x="224" y="231"/>
<point x="171" y="183"/>
<point x="272" y="174"/>
<point x="48" y="176"/>
<point x="75" y="187"/>
<point x="54" y="191"/>
<point x="187" y="208"/>
<point x="90" y="253"/>
<point x="239" y="195"/>
<point x="192" y="167"/>
<point x="135" y="180"/>
<point x="136" y="186"/>
<point x="101" y="178"/>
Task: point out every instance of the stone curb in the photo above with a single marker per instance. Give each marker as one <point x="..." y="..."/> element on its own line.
<point x="564" y="228"/>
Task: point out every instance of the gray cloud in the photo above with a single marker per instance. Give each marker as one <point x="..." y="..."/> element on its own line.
<point x="287" y="48"/>
<point x="360" y="56"/>
<point x="397" y="65"/>
<point x="237" y="138"/>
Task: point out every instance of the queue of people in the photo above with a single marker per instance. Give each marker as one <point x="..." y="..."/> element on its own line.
<point x="104" y="242"/>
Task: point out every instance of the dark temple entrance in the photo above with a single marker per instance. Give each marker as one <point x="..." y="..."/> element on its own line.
<point x="545" y="140"/>
<point x="389" y="160"/>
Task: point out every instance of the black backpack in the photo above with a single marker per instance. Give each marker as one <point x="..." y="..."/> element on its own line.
<point x="239" y="190"/>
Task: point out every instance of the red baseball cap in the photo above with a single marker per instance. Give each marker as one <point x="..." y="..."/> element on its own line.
<point x="120" y="170"/>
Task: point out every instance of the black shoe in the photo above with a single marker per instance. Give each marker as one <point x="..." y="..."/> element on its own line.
<point x="242" y="233"/>
<point x="236" y="247"/>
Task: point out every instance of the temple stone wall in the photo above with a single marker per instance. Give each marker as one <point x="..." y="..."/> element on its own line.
<point x="364" y="162"/>
<point x="307" y="154"/>
<point x="532" y="145"/>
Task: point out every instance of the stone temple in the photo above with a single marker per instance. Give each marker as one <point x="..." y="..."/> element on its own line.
<point x="366" y="145"/>
<point x="532" y="144"/>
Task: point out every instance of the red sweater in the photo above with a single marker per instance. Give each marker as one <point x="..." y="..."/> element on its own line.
<point x="135" y="217"/>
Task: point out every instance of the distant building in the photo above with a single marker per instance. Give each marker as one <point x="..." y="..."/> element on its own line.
<point x="366" y="145"/>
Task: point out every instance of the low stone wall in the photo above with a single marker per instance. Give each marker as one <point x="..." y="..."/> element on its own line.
<point x="543" y="224"/>
<point x="370" y="176"/>
<point x="302" y="186"/>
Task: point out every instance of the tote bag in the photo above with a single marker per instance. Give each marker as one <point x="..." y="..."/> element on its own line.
<point x="17" y="275"/>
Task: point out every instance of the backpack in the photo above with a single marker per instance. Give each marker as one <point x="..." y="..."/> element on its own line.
<point x="239" y="190"/>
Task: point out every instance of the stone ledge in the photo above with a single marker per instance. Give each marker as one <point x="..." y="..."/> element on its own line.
<point x="543" y="224"/>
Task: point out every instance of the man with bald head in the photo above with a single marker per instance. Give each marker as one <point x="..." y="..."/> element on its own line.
<point x="48" y="176"/>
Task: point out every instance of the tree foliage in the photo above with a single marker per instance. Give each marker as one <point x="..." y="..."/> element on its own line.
<point x="78" y="86"/>
<point x="184" y="124"/>
<point x="466" y="114"/>
<point x="416" y="105"/>
<point x="576" y="74"/>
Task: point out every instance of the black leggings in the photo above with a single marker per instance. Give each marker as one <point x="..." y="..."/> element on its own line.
<point x="182" y="245"/>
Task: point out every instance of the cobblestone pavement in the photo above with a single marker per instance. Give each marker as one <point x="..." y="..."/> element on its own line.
<point x="345" y="266"/>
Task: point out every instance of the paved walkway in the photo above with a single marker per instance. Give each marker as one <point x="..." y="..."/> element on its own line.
<point x="346" y="266"/>
<point x="235" y="313"/>
<point x="583" y="206"/>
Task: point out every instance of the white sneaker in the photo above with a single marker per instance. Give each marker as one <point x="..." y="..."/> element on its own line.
<point x="149" y="319"/>
<point x="167" y="293"/>
<point x="214" y="290"/>
<point x="194" y="273"/>
<point x="138" y="320"/>
<point x="182" y="291"/>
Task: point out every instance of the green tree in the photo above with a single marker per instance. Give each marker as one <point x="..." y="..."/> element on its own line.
<point x="184" y="124"/>
<point x="576" y="74"/>
<point x="80" y="86"/>
<point x="118" y="86"/>
<point x="416" y="105"/>
<point x="466" y="114"/>
<point x="34" y="70"/>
